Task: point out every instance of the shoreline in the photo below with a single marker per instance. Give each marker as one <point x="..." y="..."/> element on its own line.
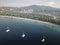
<point x="28" y="19"/>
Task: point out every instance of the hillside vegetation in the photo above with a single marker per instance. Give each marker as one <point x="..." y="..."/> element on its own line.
<point x="31" y="14"/>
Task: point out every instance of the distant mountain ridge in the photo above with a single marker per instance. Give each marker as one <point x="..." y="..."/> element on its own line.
<point x="40" y="9"/>
<point x="36" y="9"/>
<point x="43" y="13"/>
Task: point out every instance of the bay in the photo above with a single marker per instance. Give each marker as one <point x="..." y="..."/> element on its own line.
<point x="34" y="32"/>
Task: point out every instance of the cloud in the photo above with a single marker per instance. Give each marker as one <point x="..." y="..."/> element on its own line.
<point x="19" y="3"/>
<point x="54" y="4"/>
<point x="51" y="4"/>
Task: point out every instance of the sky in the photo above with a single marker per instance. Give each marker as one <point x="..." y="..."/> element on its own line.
<point x="21" y="3"/>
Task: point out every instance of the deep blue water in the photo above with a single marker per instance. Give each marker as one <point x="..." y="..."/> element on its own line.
<point x="34" y="32"/>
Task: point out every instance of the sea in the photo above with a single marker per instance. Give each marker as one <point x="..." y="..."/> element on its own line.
<point x="14" y="31"/>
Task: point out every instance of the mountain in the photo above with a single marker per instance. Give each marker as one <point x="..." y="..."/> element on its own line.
<point x="40" y="10"/>
<point x="44" y="13"/>
<point x="33" y="9"/>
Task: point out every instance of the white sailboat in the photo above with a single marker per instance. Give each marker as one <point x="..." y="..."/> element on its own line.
<point x="43" y="40"/>
<point x="23" y="35"/>
<point x="8" y="29"/>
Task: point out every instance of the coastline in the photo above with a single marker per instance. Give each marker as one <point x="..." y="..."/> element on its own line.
<point x="28" y="19"/>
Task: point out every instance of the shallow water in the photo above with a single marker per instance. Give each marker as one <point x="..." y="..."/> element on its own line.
<point x="34" y="32"/>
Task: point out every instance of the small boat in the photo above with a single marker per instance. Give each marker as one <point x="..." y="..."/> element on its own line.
<point x="43" y="40"/>
<point x="8" y="29"/>
<point x="23" y="35"/>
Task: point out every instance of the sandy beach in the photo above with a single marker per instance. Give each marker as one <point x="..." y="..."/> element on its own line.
<point x="27" y="19"/>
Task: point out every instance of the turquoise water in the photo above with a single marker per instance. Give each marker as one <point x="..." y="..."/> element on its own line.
<point x="33" y="30"/>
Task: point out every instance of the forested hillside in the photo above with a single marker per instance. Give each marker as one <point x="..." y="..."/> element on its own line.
<point x="43" y="13"/>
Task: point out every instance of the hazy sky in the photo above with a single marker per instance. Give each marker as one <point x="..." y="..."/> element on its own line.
<point x="19" y="3"/>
